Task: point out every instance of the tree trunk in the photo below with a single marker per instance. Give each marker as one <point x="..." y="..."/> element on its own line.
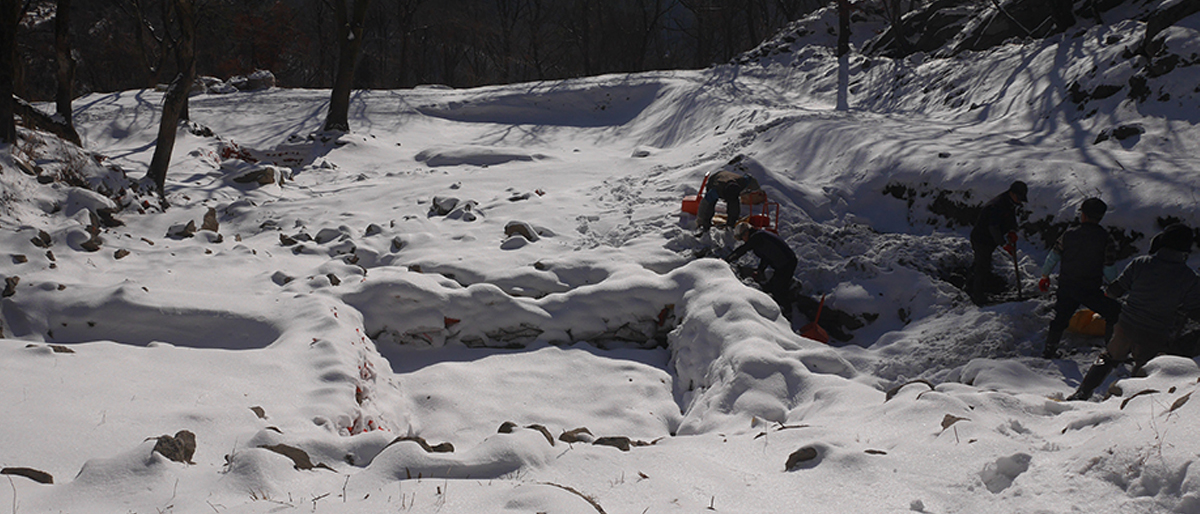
<point x="843" y="52"/>
<point x="175" y="100"/>
<point x="66" y="68"/>
<point x="10" y="15"/>
<point x="350" y="34"/>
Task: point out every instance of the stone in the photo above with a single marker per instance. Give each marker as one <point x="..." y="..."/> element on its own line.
<point x="179" y="448"/>
<point x="578" y="435"/>
<point x="799" y="457"/>
<point x="120" y="254"/>
<point x="10" y="286"/>
<point x="210" y="221"/>
<point x="520" y="228"/>
<point x="182" y="230"/>
<point x="300" y="458"/>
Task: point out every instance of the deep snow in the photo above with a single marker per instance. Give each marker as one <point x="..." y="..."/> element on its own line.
<point x="350" y="301"/>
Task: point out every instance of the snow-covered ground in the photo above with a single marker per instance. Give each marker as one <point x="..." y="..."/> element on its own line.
<point x="375" y="298"/>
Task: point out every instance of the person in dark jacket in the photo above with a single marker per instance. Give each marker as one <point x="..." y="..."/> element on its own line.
<point x="996" y="226"/>
<point x="724" y="185"/>
<point x="1155" y="287"/>
<point x="1088" y="256"/>
<point x="773" y="252"/>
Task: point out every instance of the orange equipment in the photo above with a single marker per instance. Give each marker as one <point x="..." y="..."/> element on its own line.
<point x="767" y="217"/>
<point x="813" y="330"/>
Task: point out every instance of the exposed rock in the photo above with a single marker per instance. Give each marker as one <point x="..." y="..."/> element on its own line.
<point x="40" y="477"/>
<point x="506" y="427"/>
<point x="120" y="254"/>
<point x="58" y="348"/>
<point x="442" y="205"/>
<point x="258" y="411"/>
<point x="210" y="221"/>
<point x="439" y="448"/>
<point x="333" y="279"/>
<point x="182" y="230"/>
<point x="799" y="457"/>
<point x="19" y="258"/>
<point x="544" y="431"/>
<point x="619" y="442"/>
<point x="373" y="229"/>
<point x="578" y="435"/>
<point x="179" y="448"/>
<point x="326" y="235"/>
<point x="10" y="286"/>
<point x="261" y="175"/>
<point x="522" y="229"/>
<point x="42" y="240"/>
<point x="300" y="458"/>
<point x="280" y="278"/>
<point x="286" y="240"/>
<point x="259" y="80"/>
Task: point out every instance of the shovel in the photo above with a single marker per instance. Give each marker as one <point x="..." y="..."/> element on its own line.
<point x="813" y="330"/>
<point x="1017" y="271"/>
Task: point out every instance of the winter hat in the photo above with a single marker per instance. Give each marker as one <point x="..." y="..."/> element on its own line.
<point x="1094" y="208"/>
<point x="1176" y="236"/>
<point x="1020" y="189"/>
<point x="741" y="229"/>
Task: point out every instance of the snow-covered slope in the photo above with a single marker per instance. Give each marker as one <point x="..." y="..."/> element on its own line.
<point x="467" y="258"/>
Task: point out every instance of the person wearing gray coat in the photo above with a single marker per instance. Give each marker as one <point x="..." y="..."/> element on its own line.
<point x="1156" y="287"/>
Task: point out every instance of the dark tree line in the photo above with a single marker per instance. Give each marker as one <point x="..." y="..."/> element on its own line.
<point x="125" y="44"/>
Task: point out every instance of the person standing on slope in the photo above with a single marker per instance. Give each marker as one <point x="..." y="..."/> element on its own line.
<point x="996" y="226"/>
<point x="1088" y="256"/>
<point x="724" y="185"/>
<point x="772" y="251"/>
<point x="1155" y="287"/>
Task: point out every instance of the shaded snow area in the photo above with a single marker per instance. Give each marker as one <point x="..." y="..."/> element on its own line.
<point x="488" y="300"/>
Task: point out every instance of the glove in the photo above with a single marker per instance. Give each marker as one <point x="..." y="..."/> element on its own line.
<point x="1011" y="249"/>
<point x="1044" y="284"/>
<point x="1011" y="237"/>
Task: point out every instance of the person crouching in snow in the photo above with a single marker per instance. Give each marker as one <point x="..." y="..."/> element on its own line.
<point x="1088" y="256"/>
<point x="996" y="226"/>
<point x="1155" y="287"/>
<point x="772" y="251"/>
<point x="724" y="185"/>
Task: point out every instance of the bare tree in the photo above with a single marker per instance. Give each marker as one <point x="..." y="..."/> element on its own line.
<point x="10" y="17"/>
<point x="350" y="35"/>
<point x="66" y="67"/>
<point x="175" y="101"/>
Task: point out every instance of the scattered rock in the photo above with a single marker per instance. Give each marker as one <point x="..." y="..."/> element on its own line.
<point x="258" y="411"/>
<point x="40" y="477"/>
<point x="182" y="230"/>
<point x="210" y="221"/>
<point x="10" y="286"/>
<point x="262" y="175"/>
<point x="286" y="240"/>
<point x="19" y="258"/>
<point x="619" y="442"/>
<point x="121" y="254"/>
<point x="799" y="457"/>
<point x="259" y="80"/>
<point x="506" y="427"/>
<point x="300" y="458"/>
<point x="42" y="240"/>
<point x="179" y="448"/>
<point x="522" y="229"/>
<point x="442" y="205"/>
<point x="373" y="229"/>
<point x="397" y="244"/>
<point x="578" y="435"/>
<point x="544" y="431"/>
<point x="58" y="348"/>
<point x="440" y="448"/>
<point x="951" y="419"/>
<point x="326" y="235"/>
<point x="281" y="278"/>
<point x="514" y="243"/>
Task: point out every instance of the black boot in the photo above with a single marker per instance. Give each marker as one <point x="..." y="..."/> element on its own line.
<point x="1050" y="351"/>
<point x="1098" y="372"/>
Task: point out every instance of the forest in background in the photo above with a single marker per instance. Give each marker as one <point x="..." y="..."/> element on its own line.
<point x="127" y="44"/>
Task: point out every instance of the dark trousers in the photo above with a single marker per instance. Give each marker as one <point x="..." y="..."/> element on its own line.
<point x="708" y="207"/>
<point x="780" y="286"/>
<point x="1068" y="298"/>
<point x="982" y="268"/>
